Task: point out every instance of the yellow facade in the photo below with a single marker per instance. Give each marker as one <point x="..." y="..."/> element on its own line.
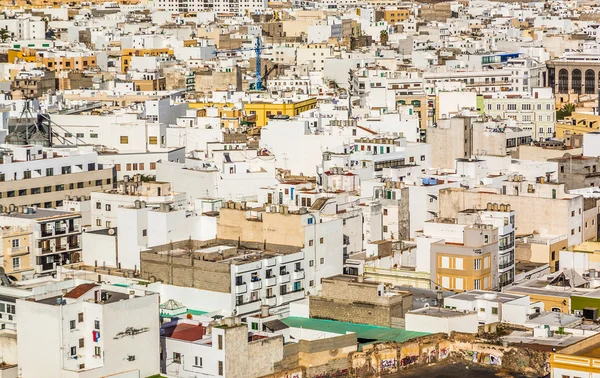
<point x="467" y="272"/>
<point x="16" y="251"/>
<point x="578" y="123"/>
<point x="396" y="15"/>
<point x="204" y="105"/>
<point x="264" y="110"/>
<point x="25" y="54"/>
<point x="126" y="55"/>
<point x="78" y="63"/>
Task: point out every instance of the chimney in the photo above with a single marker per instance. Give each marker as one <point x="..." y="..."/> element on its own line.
<point x="264" y="311"/>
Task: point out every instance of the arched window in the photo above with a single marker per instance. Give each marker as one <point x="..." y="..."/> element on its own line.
<point x="590" y="82"/>
<point x="576" y="81"/>
<point x="563" y="81"/>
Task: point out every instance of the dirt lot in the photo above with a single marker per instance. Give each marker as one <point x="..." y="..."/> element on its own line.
<point x="458" y="370"/>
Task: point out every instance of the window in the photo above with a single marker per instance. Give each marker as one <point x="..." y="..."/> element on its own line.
<point x="93" y="135"/>
<point x="385" y="228"/>
<point x="321" y="240"/>
<point x="141" y="166"/>
<point x="176" y="358"/>
<point x="15" y="243"/>
<point x="108" y="207"/>
<point x="118" y="167"/>
<point x="220" y="342"/>
<point x="322" y="260"/>
<point x="98" y="182"/>
<point x="97" y="351"/>
<point x="153" y="140"/>
<point x="72" y="324"/>
<point x="99" y="205"/>
<point x="477" y="264"/>
<point x="311" y="263"/>
<point x="459" y="263"/>
<point x="81" y="343"/>
<point x="477" y="284"/>
<point x="220" y="367"/>
<point x="107" y="224"/>
<point x="80" y="317"/>
<point x="99" y="222"/>
<point x="27" y="174"/>
<point x="459" y="283"/>
<point x="73" y="351"/>
<point x="97" y="324"/>
<point x="16" y="262"/>
<point x="198" y="361"/>
<point x="59" y="188"/>
<point x="494" y="310"/>
<point x="310" y="243"/>
<point x="10" y="309"/>
<point x="144" y="232"/>
<point x="152" y="166"/>
<point x="445" y="262"/>
<point x="49" y="171"/>
<point x="79" y="185"/>
<point x="124" y="140"/>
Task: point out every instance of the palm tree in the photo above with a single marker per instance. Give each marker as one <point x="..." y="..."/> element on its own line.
<point x="383" y="37"/>
<point x="565" y="111"/>
<point x="4" y="35"/>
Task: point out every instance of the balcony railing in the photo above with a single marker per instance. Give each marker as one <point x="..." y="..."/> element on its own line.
<point x="271" y="281"/>
<point x="256" y="285"/>
<point x="506" y="246"/>
<point x="270" y="301"/>
<point x="506" y="264"/>
<point x="298" y="274"/>
<point x="241" y="289"/>
<point x="284" y="278"/>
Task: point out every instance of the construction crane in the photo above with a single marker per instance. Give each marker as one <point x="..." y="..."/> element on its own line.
<point x="258" y="48"/>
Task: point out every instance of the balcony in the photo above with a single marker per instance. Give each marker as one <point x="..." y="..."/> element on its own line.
<point x="17" y="251"/>
<point x="270" y="301"/>
<point x="248" y="307"/>
<point x="271" y="281"/>
<point x="298" y="275"/>
<point x="506" y="246"/>
<point x="293" y="296"/>
<point x="256" y="285"/>
<point x="284" y="278"/>
<point x="271" y="262"/>
<point x="507" y="264"/>
<point x="241" y="289"/>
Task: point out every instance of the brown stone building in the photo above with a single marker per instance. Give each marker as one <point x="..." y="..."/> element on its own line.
<point x="351" y="299"/>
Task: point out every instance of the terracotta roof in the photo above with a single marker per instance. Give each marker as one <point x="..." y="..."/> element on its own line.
<point x="78" y="291"/>
<point x="186" y="332"/>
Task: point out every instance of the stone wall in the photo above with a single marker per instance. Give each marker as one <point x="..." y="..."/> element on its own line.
<point x="262" y="355"/>
<point x="186" y="271"/>
<point x="323" y="308"/>
<point x="387" y="358"/>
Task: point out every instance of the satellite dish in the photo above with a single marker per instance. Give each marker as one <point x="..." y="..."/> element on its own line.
<point x="111" y="231"/>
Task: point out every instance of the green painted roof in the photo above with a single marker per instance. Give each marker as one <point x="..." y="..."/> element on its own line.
<point x="196" y="312"/>
<point x="363" y="331"/>
<point x="188" y="311"/>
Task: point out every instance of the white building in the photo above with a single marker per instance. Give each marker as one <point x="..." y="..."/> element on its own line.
<point x="437" y="320"/>
<point x="88" y="331"/>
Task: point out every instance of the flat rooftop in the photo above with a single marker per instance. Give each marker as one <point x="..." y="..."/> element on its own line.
<point x="486" y="295"/>
<point x="42" y="214"/>
<point x="440" y="312"/>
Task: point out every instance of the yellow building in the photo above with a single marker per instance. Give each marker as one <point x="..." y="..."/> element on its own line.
<point x="25" y="54"/>
<point x="577" y="123"/>
<point x="263" y="110"/>
<point x="126" y="55"/>
<point x="467" y="265"/>
<point x="61" y="63"/>
<point x="16" y="251"/>
<point x="394" y="16"/>
<point x="581" y="359"/>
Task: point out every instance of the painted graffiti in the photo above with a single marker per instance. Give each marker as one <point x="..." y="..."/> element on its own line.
<point x="443" y="352"/>
<point x="294" y="375"/>
<point x="131" y="332"/>
<point x="388" y="364"/>
<point x="484" y="358"/>
<point x="337" y="373"/>
<point x="408" y="360"/>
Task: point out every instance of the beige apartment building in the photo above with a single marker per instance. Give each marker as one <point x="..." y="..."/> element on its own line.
<point x="16" y="245"/>
<point x="49" y="192"/>
<point x="542" y="208"/>
<point x="470" y="265"/>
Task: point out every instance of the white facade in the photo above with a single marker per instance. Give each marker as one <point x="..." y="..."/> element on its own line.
<point x="434" y="320"/>
<point x="96" y="334"/>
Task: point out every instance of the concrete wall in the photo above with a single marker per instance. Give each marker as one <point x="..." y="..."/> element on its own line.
<point x="185" y="271"/>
